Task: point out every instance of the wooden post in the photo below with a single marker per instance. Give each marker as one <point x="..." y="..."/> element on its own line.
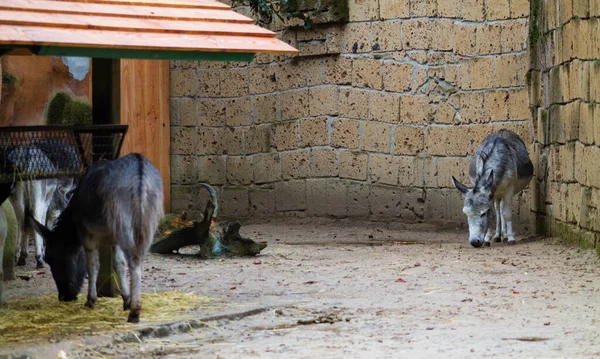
<point x="106" y="109"/>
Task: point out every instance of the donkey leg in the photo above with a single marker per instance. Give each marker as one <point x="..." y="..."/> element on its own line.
<point x="93" y="265"/>
<point x="498" y="235"/>
<point x="135" y="271"/>
<point x="507" y="219"/>
<point x="119" y="266"/>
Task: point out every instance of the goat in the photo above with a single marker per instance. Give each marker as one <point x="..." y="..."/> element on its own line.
<point x="118" y="203"/>
<point x="500" y="168"/>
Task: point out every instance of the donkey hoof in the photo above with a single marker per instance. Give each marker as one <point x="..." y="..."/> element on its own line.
<point x="486" y="244"/>
<point x="90" y="304"/>
<point x="497" y="239"/>
<point x="511" y="242"/>
<point x="134" y="316"/>
<point x="126" y="303"/>
<point x="40" y="264"/>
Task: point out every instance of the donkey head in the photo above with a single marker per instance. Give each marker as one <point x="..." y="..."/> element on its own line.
<point x="478" y="203"/>
<point x="64" y="254"/>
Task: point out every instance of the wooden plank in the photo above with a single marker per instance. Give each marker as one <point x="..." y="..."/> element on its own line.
<point x="41" y="36"/>
<point x="125" y="11"/>
<point x="208" y="4"/>
<point x="105" y="110"/>
<point x="79" y="21"/>
<point x="145" y="108"/>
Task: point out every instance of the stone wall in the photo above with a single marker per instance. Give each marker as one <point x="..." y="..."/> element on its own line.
<point x="565" y="96"/>
<point x="369" y="121"/>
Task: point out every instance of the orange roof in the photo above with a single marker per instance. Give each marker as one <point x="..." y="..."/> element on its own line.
<point x="148" y="25"/>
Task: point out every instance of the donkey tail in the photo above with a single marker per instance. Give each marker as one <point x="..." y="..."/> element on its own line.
<point x="149" y="205"/>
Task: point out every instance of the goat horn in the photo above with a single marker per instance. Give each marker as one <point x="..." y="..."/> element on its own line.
<point x="213" y="197"/>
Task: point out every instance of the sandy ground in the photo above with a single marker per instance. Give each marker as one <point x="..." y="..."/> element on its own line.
<point x="383" y="291"/>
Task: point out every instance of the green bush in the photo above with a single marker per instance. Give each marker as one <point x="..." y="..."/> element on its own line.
<point x="64" y="110"/>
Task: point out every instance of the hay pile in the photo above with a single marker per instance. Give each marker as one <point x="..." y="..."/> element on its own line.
<point x="28" y="319"/>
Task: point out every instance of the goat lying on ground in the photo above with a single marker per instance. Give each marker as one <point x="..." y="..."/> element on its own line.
<point x="117" y="203"/>
<point x="500" y="169"/>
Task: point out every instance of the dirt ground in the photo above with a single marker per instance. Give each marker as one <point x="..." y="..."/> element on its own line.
<point x="344" y="289"/>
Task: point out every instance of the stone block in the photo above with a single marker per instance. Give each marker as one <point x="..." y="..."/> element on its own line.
<point x="394" y="9"/>
<point x="229" y="141"/>
<point x="383" y="169"/>
<point x="354" y="165"/>
<point x="267" y="168"/>
<point x="507" y="70"/>
<point x="314" y="132"/>
<point x="416" y="34"/>
<point x="482" y="73"/>
<point x="416" y="110"/>
<point x="442" y="38"/>
<point x="337" y="70"/>
<point x="209" y="83"/>
<point x="363" y="10"/>
<point x="446" y="140"/>
<point x="261" y="202"/>
<point x="174" y="111"/>
<point x="356" y="38"/>
<point x="239" y="112"/>
<point x="182" y="140"/>
<point x="384" y="107"/>
<point x="234" y="82"/>
<point x="473" y="108"/>
<point x="267" y="108"/>
<point x="211" y="112"/>
<point x="206" y="143"/>
<point x="448" y="8"/>
<point x="518" y="104"/>
<point x="394" y="202"/>
<point x="586" y="123"/>
<point x="295" y="164"/>
<point x="354" y="103"/>
<point x="472" y="10"/>
<point x="184" y="82"/>
<point x="408" y="140"/>
<point x="188" y="115"/>
<point x="410" y="171"/>
<point x="285" y="135"/>
<point x="240" y="170"/>
<point x="367" y="73"/>
<point x="376" y="137"/>
<point x="496" y="105"/>
<point x="323" y="162"/>
<point x="290" y="196"/>
<point x="357" y="200"/>
<point x="263" y="79"/>
<point x="386" y="36"/>
<point x="447" y="167"/>
<point x="185" y="173"/>
<point x="294" y="104"/>
<point x="464" y="39"/>
<point x="345" y="133"/>
<point x="233" y="203"/>
<point x="258" y="139"/>
<point x="514" y="35"/>
<point x="324" y="101"/>
<point x="290" y="76"/>
<point x="497" y="10"/>
<point x="397" y="77"/>
<point x="488" y="39"/>
<point x="519" y="8"/>
<point x="326" y="197"/>
<point x="211" y="170"/>
<point x="418" y="8"/>
<point x="445" y="113"/>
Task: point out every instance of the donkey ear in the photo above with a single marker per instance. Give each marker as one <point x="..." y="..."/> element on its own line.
<point x="37" y="226"/>
<point x="489" y="180"/>
<point x="479" y="163"/>
<point x="459" y="186"/>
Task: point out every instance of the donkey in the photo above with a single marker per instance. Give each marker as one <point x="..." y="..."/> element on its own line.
<point x="118" y="203"/>
<point x="500" y="168"/>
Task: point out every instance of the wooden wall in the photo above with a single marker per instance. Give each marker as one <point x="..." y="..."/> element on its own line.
<point x="145" y="108"/>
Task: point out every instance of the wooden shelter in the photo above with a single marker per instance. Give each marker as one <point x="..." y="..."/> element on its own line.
<point x="129" y="91"/>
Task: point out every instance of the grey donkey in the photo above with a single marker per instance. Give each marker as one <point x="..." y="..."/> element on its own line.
<point x="500" y="168"/>
<point x="119" y="204"/>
